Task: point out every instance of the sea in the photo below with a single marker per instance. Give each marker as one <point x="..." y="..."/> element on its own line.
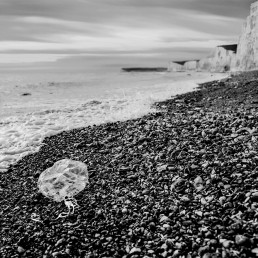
<point x="36" y="104"/>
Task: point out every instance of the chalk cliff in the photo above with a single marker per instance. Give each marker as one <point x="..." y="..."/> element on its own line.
<point x="175" y="66"/>
<point x="191" y="65"/>
<point x="221" y="59"/>
<point x="180" y="66"/>
<point x="241" y="57"/>
<point x="247" y="51"/>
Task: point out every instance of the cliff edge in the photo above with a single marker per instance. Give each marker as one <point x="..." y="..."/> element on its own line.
<point x="221" y="59"/>
<point x="247" y="52"/>
<point x="235" y="57"/>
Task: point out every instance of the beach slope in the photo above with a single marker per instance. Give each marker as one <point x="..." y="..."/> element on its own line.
<point x="182" y="181"/>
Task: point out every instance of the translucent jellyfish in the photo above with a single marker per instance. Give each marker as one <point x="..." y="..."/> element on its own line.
<point x="63" y="180"/>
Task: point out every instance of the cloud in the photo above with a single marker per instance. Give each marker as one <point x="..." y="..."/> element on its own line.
<point x="29" y="58"/>
<point x="118" y="26"/>
<point x="106" y="9"/>
<point x="118" y="38"/>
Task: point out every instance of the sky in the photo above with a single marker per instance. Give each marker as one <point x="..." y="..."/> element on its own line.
<point x="110" y="32"/>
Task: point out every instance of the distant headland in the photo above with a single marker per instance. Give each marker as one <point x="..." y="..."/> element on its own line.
<point x="145" y="69"/>
<point x="224" y="58"/>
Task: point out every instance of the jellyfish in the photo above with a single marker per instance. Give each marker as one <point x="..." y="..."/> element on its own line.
<point x="61" y="182"/>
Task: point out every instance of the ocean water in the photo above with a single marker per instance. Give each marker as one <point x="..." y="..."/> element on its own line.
<point x="36" y="104"/>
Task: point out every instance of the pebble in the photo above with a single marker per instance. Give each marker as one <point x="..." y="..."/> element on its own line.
<point x="255" y="251"/>
<point x="124" y="210"/>
<point x="60" y="241"/>
<point x="226" y="243"/>
<point x="164" y="254"/>
<point x="254" y="197"/>
<point x="162" y="168"/>
<point x="20" y="249"/>
<point x="241" y="240"/>
<point x="209" y="198"/>
<point x="176" y="253"/>
<point x="207" y="255"/>
<point x="169" y="242"/>
<point x="166" y="226"/>
<point x="222" y="199"/>
<point x="135" y="250"/>
<point x="198" y="183"/>
<point x="199" y="213"/>
<point x="164" y="246"/>
<point x="164" y="219"/>
<point x="203" y="249"/>
<point x="68" y="250"/>
<point x="185" y="199"/>
<point x="132" y="165"/>
<point x="203" y="201"/>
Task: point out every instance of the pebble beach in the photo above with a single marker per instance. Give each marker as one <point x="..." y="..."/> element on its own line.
<point x="179" y="182"/>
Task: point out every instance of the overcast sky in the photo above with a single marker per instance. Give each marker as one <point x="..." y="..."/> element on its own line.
<point x="129" y="30"/>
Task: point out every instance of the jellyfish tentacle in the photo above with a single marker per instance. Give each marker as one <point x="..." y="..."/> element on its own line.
<point x="70" y="203"/>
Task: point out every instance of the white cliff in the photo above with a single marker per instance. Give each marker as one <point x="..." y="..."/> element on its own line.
<point x="241" y="57"/>
<point x="247" y="51"/>
<point x="174" y="66"/>
<point x="180" y="66"/>
<point x="220" y="60"/>
<point x="191" y="65"/>
<point x="205" y="64"/>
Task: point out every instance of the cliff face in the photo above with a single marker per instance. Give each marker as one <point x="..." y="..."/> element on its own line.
<point x="191" y="65"/>
<point x="221" y="59"/>
<point x="176" y="66"/>
<point x="205" y="64"/>
<point x="247" y="51"/>
<point x="241" y="57"/>
<point x="183" y="66"/>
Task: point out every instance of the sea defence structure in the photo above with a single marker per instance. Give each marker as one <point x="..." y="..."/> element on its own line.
<point x="235" y="57"/>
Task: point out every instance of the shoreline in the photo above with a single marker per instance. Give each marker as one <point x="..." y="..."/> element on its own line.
<point x="23" y="134"/>
<point x="27" y="109"/>
<point x="176" y="182"/>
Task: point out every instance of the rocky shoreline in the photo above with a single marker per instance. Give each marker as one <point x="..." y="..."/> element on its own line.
<point x="181" y="182"/>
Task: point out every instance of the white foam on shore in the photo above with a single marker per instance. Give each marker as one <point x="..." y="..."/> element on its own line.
<point x="22" y="135"/>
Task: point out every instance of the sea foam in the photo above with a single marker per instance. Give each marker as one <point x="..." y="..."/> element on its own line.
<point x="22" y="134"/>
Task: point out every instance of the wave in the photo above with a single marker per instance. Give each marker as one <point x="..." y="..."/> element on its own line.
<point x="22" y="135"/>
